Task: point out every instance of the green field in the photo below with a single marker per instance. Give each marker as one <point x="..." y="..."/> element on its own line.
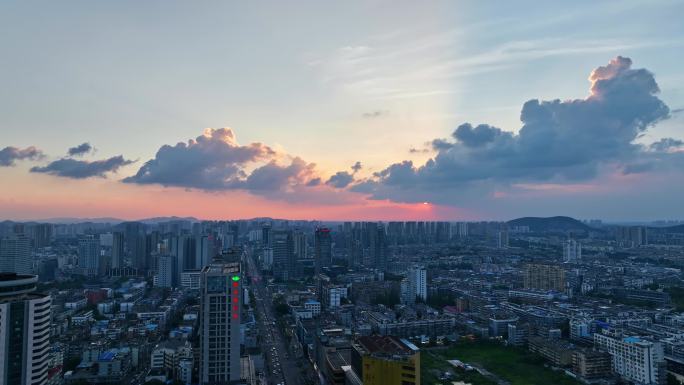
<point x="517" y="366"/>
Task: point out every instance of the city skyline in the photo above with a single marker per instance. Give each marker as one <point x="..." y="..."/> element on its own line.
<point x="447" y="111"/>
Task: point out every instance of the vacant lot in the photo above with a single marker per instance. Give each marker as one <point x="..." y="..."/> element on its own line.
<point x="512" y="365"/>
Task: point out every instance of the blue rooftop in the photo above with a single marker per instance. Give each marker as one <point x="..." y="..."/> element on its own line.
<point x="107" y="356"/>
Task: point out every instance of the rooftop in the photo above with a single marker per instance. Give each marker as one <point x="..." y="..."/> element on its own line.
<point x="386" y="345"/>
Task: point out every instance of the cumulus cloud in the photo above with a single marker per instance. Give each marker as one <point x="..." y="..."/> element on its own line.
<point x="9" y="155"/>
<point x="474" y="136"/>
<point x="273" y="177"/>
<point x="215" y="161"/>
<point x="81" y="169"/>
<point x="314" y="182"/>
<point x="80" y="150"/>
<point x="212" y="161"/>
<point x="562" y="141"/>
<point x="341" y="179"/>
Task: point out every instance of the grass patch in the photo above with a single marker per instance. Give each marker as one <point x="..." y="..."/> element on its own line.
<point x="434" y="365"/>
<point x="515" y="365"/>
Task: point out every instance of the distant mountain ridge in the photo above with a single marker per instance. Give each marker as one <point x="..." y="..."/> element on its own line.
<point x="68" y="220"/>
<point x="551" y="224"/>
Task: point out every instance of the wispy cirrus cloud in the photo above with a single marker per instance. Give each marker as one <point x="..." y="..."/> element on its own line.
<point x="399" y="66"/>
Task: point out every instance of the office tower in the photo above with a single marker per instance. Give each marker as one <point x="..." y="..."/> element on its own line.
<point x="572" y="251"/>
<point x="89" y="255"/>
<point x="135" y="240"/>
<point x="283" y="255"/>
<point x="42" y="234"/>
<point x="184" y="250"/>
<point x="544" y="277"/>
<point x="204" y="251"/>
<point x="322" y="249"/>
<point x="635" y="359"/>
<point x="166" y="271"/>
<point x="15" y="255"/>
<point x="300" y="245"/>
<point x="377" y="246"/>
<point x="385" y="360"/>
<point x="118" y="250"/>
<point x="24" y="331"/>
<point x="266" y="235"/>
<point x="220" y="324"/>
<point x="418" y="277"/>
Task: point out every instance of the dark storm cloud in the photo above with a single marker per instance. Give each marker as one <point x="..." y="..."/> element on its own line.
<point x="559" y="140"/>
<point x="81" y="169"/>
<point x="215" y="161"/>
<point x="79" y="150"/>
<point x="341" y="179"/>
<point x="9" y="155"/>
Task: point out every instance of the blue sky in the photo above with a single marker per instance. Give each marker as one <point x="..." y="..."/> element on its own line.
<point x="330" y="82"/>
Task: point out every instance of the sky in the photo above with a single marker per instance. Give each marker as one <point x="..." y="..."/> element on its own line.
<point x="368" y="110"/>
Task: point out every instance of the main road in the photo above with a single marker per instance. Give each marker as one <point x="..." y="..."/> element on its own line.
<point x="281" y="367"/>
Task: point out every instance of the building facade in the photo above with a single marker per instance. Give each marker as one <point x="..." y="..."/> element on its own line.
<point x="220" y="324"/>
<point x="25" y="318"/>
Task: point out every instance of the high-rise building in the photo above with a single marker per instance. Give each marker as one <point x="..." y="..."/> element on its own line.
<point x="266" y="233"/>
<point x="42" y="234"/>
<point x="204" y="251"/>
<point x="166" y="271"/>
<point x="572" y="251"/>
<point x="283" y="255"/>
<point x="632" y="236"/>
<point x="419" y="281"/>
<point x="544" y="277"/>
<point x="322" y="248"/>
<point x="220" y="324"/>
<point x="502" y="239"/>
<point x="635" y="359"/>
<point x="118" y="250"/>
<point x="385" y="360"/>
<point x="134" y="236"/>
<point x="462" y="229"/>
<point x="300" y="245"/>
<point x="407" y="293"/>
<point x="24" y="331"/>
<point x="89" y="255"/>
<point x="377" y="246"/>
<point x="15" y="254"/>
